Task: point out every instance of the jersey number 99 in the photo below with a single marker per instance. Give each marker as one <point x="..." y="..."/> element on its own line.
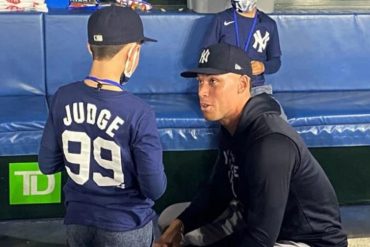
<point x="83" y="159"/>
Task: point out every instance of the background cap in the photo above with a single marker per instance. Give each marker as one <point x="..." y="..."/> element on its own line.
<point x="221" y="59"/>
<point x="115" y="25"/>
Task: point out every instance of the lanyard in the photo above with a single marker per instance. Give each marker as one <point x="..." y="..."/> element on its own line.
<point x="97" y="80"/>
<point x="236" y="27"/>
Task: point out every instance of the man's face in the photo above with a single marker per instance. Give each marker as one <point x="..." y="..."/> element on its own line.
<point x="218" y="96"/>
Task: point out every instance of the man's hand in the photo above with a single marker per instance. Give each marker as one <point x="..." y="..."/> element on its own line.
<point x="257" y="67"/>
<point x="172" y="236"/>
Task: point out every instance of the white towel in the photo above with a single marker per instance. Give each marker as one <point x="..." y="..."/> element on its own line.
<point x="23" y="5"/>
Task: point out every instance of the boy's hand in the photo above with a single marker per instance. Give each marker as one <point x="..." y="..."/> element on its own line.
<point x="257" y="67"/>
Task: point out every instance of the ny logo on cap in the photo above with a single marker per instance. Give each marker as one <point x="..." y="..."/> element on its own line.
<point x="204" y="56"/>
<point x="98" y="38"/>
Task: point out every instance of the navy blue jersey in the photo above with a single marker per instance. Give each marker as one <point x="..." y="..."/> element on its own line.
<point x="264" y="45"/>
<point x="108" y="143"/>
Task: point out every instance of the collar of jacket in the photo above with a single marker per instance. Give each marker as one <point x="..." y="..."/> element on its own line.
<point x="256" y="107"/>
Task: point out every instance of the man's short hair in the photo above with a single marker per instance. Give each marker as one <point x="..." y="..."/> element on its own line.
<point x="105" y="52"/>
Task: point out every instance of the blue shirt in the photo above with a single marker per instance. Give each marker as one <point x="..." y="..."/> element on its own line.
<point x="108" y="143"/>
<point x="264" y="45"/>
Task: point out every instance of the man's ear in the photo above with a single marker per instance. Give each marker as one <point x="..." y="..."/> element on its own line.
<point x="244" y="84"/>
<point x="89" y="48"/>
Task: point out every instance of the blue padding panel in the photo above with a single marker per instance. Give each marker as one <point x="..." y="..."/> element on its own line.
<point x="323" y="84"/>
<point x="22" y="79"/>
<point x="180" y="122"/>
<point x="315" y="51"/>
<point x="326" y="119"/>
<point x="323" y="119"/>
<point x="177" y="110"/>
<point x="179" y="38"/>
<point x="67" y="57"/>
<point x="22" y="54"/>
<point x="179" y="42"/>
<point x="323" y="52"/>
<point x="22" y="120"/>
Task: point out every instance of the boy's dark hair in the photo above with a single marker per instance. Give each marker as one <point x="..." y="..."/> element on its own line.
<point x="105" y="52"/>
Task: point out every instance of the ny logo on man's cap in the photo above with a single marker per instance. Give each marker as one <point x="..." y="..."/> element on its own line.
<point x="204" y="56"/>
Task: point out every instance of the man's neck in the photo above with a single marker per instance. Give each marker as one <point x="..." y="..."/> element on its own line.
<point x="249" y="14"/>
<point x="232" y="123"/>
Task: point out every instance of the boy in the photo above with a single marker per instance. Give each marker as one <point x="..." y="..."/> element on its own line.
<point x="107" y="141"/>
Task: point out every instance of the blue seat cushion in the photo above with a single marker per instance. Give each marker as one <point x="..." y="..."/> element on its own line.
<point x="327" y="119"/>
<point x="180" y="122"/>
<point x="323" y="119"/>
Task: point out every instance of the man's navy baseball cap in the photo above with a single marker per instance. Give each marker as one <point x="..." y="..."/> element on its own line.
<point x="221" y="59"/>
<point x="115" y="25"/>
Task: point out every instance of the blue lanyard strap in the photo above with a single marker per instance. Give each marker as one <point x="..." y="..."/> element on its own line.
<point x="236" y="27"/>
<point x="98" y="80"/>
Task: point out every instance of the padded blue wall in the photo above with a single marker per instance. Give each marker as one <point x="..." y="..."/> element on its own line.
<point x="67" y="57"/>
<point x="22" y="79"/>
<point x="179" y="38"/>
<point x="323" y="52"/>
<point x="22" y="68"/>
<point x="320" y="52"/>
<point x="179" y="43"/>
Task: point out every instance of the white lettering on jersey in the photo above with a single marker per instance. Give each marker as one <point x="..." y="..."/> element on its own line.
<point x="103" y="119"/>
<point x="91" y="113"/>
<point x="78" y="113"/>
<point x="68" y="119"/>
<point x="233" y="169"/>
<point x="260" y="41"/>
<point x="81" y="113"/>
<point x="114" y="126"/>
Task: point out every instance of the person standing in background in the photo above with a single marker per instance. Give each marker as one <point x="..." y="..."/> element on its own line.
<point x="256" y="33"/>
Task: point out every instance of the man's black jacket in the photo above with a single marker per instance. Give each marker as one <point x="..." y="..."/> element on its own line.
<point x="283" y="190"/>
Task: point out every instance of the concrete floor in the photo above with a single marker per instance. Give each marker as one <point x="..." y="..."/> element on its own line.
<point x="51" y="232"/>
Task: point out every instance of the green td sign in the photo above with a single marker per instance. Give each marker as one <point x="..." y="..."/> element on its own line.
<point x="27" y="185"/>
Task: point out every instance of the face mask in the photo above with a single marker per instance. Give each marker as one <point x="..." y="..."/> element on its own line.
<point x="126" y="75"/>
<point x="243" y="5"/>
<point x="124" y="79"/>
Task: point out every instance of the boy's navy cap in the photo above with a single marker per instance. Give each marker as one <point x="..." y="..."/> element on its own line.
<point x="221" y="59"/>
<point x="115" y="25"/>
